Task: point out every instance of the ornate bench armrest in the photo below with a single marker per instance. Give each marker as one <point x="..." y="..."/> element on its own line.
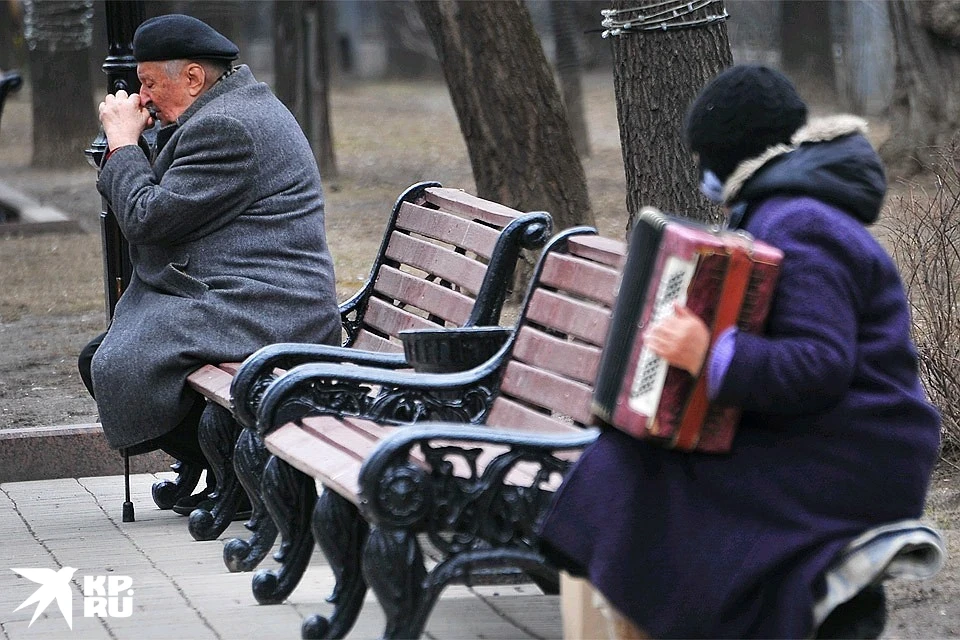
<point x="530" y="231"/>
<point x="503" y="501"/>
<point x="393" y="397"/>
<point x="259" y="370"/>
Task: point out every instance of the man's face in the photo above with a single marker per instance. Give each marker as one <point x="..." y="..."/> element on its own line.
<point x="169" y="95"/>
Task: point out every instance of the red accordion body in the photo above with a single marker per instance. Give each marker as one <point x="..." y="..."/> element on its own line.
<point x="727" y="279"/>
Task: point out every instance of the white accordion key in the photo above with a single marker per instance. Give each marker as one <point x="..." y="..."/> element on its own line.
<point x="651" y="372"/>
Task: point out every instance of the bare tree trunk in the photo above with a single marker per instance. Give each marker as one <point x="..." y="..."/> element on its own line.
<point x="925" y="112"/>
<point x="59" y="35"/>
<point x="11" y="35"/>
<point x="409" y="51"/>
<point x="568" y="70"/>
<point x="513" y="121"/>
<point x="301" y="76"/>
<point x="657" y="74"/>
<point x="806" y="48"/>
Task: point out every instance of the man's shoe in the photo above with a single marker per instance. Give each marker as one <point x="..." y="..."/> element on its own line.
<point x="244" y="511"/>
<point x="184" y="506"/>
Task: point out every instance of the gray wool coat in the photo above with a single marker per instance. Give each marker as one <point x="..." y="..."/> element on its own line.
<point x="226" y="234"/>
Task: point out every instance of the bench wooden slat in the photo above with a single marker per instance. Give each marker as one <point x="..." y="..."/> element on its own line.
<point x="433" y="298"/>
<point x="212" y="382"/>
<point x="308" y="453"/>
<point x="547" y="390"/>
<point x="581" y="319"/>
<point x="446" y="263"/>
<point x="356" y="439"/>
<point x="471" y="206"/>
<point x="581" y="277"/>
<point x="604" y="250"/>
<point x="575" y="360"/>
<point x="343" y="435"/>
<point x="367" y="341"/>
<point x="448" y="228"/>
<point x="391" y="320"/>
<point x="510" y="414"/>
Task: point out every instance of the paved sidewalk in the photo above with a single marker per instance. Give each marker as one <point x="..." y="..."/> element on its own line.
<point x="181" y="588"/>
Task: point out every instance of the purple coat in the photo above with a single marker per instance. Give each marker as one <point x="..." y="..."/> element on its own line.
<point x="836" y="434"/>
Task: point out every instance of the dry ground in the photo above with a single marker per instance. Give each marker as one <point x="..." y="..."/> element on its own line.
<point x="388" y="136"/>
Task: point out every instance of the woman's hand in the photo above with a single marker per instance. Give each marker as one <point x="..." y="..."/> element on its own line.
<point x="681" y="339"/>
<point x="123" y="119"/>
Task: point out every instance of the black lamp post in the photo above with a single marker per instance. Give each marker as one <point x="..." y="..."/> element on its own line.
<point x="123" y="18"/>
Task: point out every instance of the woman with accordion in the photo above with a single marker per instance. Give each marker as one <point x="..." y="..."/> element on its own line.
<point x="836" y="435"/>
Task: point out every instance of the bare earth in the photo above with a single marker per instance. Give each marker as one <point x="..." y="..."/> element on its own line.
<point x="388" y="136"/>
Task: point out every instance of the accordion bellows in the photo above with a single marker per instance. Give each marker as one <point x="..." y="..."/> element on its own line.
<point x="727" y="278"/>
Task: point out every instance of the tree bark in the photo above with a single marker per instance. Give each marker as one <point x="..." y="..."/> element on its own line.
<point x="806" y="48"/>
<point x="657" y="74"/>
<point x="58" y="35"/>
<point x="519" y="141"/>
<point x="11" y="37"/>
<point x="410" y="54"/>
<point x="925" y="112"/>
<point x="301" y="76"/>
<point x="568" y="70"/>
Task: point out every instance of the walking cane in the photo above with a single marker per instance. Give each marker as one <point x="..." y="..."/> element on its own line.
<point x="127" y="505"/>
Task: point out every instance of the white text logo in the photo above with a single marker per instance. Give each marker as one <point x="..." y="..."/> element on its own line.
<point x="103" y="596"/>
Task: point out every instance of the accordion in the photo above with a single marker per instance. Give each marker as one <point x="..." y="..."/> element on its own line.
<point x="726" y="278"/>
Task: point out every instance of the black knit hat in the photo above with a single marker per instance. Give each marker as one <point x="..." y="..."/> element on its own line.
<point x="179" y="37"/>
<point x="739" y="114"/>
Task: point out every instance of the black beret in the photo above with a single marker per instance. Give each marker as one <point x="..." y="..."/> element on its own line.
<point x="739" y="114"/>
<point x="180" y="37"/>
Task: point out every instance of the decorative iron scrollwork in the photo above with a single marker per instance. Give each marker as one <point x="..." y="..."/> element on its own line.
<point x="352" y="320"/>
<point x="405" y="493"/>
<point x="403" y="405"/>
<point x="462" y="508"/>
<point x="390" y="405"/>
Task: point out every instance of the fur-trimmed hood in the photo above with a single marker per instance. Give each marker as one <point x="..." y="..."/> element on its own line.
<point x="829" y="159"/>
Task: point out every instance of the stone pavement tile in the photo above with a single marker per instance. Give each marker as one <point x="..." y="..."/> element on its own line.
<point x="496" y="611"/>
<point x="162" y="626"/>
<point x="52" y="626"/>
<point x="181" y="586"/>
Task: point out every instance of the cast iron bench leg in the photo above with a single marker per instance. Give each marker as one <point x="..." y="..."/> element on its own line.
<point x="341" y="533"/>
<point x="249" y="460"/>
<point x="218" y="436"/>
<point x="289" y="495"/>
<point x="393" y="567"/>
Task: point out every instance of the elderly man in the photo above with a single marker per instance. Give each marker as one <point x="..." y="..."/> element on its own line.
<point x="225" y="224"/>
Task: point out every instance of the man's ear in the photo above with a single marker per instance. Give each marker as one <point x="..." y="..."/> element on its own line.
<point x="196" y="79"/>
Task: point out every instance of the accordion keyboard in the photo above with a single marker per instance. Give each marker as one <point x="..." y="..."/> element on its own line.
<point x="651" y="370"/>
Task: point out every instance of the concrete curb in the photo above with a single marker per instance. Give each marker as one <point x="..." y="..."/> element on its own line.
<point x="71" y="451"/>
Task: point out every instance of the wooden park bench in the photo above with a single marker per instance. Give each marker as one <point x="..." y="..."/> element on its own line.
<point x="540" y="382"/>
<point x="475" y="493"/>
<point x="447" y="259"/>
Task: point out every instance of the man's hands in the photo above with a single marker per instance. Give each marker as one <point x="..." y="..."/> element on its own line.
<point x="123" y="118"/>
<point x="681" y="339"/>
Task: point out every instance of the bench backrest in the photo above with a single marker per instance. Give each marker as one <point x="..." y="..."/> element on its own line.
<point x="447" y="260"/>
<point x="548" y="381"/>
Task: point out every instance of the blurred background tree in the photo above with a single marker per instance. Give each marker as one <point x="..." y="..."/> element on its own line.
<point x="58" y="34"/>
<point x="518" y="137"/>
<point x="659" y="67"/>
<point x="843" y="54"/>
<point x="925" y="111"/>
